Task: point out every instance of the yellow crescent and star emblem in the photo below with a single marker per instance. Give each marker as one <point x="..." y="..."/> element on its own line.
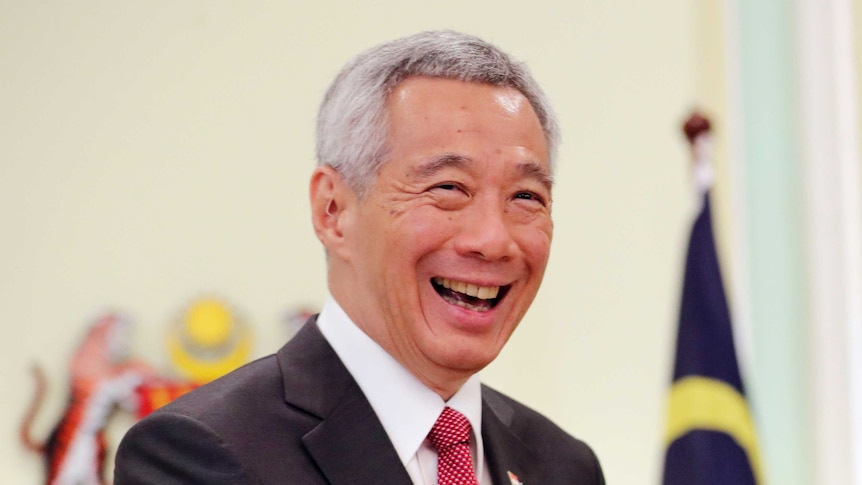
<point x="208" y="341"/>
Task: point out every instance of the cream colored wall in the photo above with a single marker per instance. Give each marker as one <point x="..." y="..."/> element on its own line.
<point x="151" y="152"/>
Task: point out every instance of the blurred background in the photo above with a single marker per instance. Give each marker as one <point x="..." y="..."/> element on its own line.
<point x="153" y="153"/>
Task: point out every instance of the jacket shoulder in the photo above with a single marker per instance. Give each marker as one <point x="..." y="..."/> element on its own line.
<point x="252" y="386"/>
<point x="239" y="422"/>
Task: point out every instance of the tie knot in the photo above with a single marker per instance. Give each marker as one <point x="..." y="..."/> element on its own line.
<point x="450" y="429"/>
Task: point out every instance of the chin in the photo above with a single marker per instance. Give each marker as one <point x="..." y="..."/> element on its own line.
<point x="468" y="359"/>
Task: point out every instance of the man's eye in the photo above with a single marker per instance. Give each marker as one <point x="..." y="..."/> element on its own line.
<point x="530" y="196"/>
<point x="449" y="187"/>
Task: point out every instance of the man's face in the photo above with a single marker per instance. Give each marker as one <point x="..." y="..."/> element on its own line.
<point x="449" y="246"/>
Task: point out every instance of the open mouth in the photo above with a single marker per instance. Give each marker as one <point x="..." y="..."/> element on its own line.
<point x="467" y="295"/>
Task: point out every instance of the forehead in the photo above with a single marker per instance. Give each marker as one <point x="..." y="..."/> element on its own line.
<point x="436" y="115"/>
<point x="434" y="93"/>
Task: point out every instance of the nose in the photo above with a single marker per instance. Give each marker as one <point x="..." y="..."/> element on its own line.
<point x="485" y="233"/>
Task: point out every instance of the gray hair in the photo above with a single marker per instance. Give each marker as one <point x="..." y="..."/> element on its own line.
<point x="352" y="122"/>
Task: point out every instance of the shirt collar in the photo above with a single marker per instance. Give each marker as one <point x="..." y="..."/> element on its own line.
<point x="409" y="414"/>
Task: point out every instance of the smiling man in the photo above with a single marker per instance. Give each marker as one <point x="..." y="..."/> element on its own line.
<point x="432" y="198"/>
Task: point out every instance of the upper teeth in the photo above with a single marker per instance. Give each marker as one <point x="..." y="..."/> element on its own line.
<point x="482" y="292"/>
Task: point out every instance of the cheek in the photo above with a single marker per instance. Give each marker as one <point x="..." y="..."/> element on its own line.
<point x="405" y="247"/>
<point x="425" y="230"/>
<point x="535" y="242"/>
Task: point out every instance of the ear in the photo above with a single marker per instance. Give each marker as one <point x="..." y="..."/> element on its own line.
<point x="332" y="203"/>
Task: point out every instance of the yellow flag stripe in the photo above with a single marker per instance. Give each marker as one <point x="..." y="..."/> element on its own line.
<point x="700" y="403"/>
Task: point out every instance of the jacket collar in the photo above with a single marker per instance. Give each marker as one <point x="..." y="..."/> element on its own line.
<point x="348" y="436"/>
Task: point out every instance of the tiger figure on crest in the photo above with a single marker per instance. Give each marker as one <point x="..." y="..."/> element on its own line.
<point x="102" y="379"/>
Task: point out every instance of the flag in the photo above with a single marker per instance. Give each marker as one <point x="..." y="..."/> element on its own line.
<point x="710" y="434"/>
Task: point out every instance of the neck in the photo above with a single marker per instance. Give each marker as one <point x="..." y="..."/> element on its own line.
<point x="445" y="388"/>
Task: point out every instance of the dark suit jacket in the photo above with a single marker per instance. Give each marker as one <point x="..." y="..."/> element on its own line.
<point x="298" y="417"/>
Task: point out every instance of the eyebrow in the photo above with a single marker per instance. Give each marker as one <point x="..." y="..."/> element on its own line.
<point x="437" y="164"/>
<point x="532" y="170"/>
<point x="535" y="171"/>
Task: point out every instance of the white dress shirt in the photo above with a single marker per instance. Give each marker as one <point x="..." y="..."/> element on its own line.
<point x="408" y="414"/>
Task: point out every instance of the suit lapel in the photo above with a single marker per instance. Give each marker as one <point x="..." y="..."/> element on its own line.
<point x="504" y="451"/>
<point x="349" y="444"/>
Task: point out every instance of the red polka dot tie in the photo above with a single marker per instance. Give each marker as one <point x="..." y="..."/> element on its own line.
<point x="451" y="436"/>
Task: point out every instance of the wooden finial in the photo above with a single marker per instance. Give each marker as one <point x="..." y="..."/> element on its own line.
<point x="696" y="125"/>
